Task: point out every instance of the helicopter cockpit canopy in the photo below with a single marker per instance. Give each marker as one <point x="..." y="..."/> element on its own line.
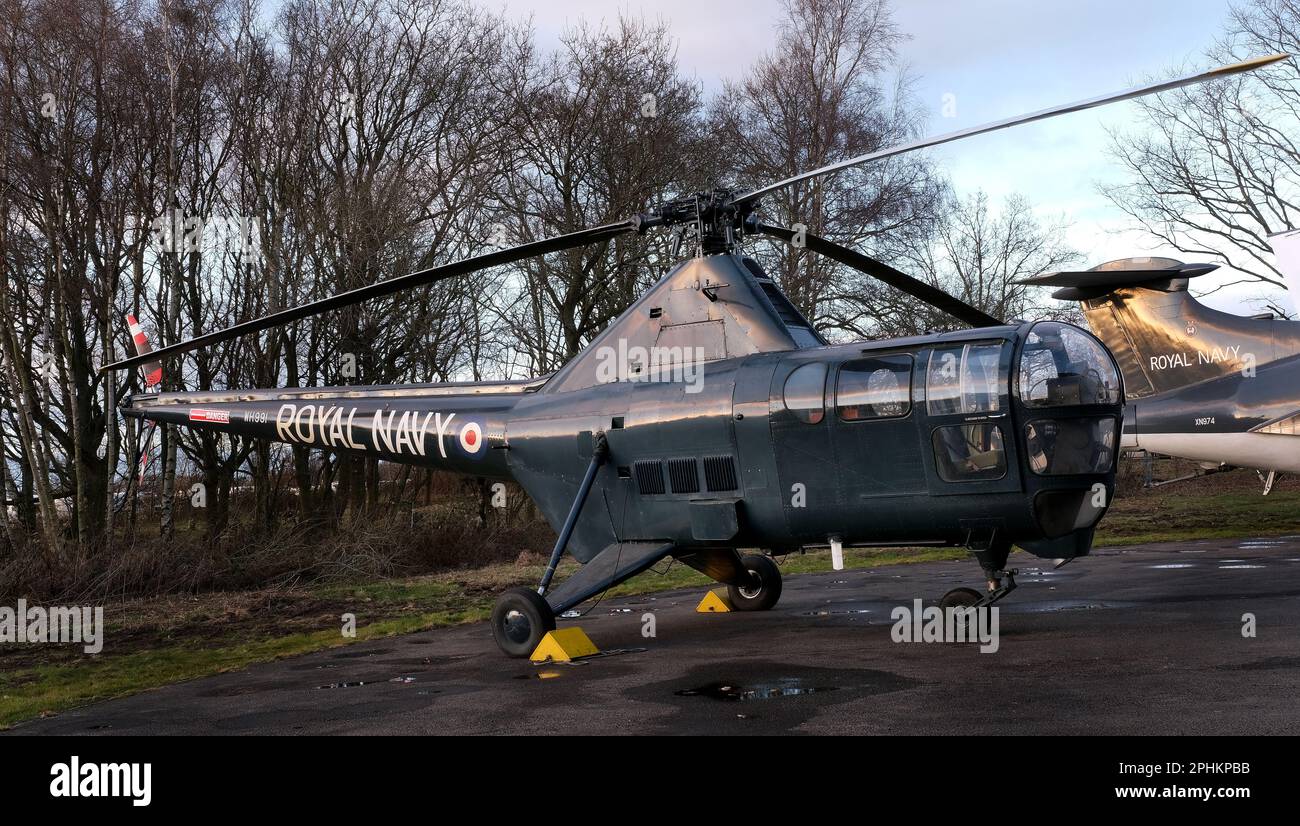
<point x="1062" y="366"/>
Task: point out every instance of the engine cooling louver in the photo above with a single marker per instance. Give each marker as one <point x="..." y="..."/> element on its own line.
<point x="719" y="473"/>
<point x="649" y="476"/>
<point x="682" y="476"/>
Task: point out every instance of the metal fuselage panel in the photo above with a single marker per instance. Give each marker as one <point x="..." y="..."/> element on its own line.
<point x="1225" y="419"/>
<point x="1164" y="339"/>
<point x="794" y="483"/>
<point x="462" y="432"/>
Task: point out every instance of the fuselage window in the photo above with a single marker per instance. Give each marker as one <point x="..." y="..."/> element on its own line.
<point x="874" y="388"/>
<point x="969" y="452"/>
<point x="805" y="392"/>
<point x="964" y="379"/>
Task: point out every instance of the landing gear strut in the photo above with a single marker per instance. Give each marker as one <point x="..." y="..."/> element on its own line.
<point x="522" y="616"/>
<point x="993" y="560"/>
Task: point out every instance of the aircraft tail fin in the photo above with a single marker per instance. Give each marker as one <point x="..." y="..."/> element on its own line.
<point x="1161" y="336"/>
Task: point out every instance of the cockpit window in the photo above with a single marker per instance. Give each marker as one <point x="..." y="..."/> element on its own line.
<point x="1062" y="366"/>
<point x="964" y="379"/>
<point x="805" y="392"/>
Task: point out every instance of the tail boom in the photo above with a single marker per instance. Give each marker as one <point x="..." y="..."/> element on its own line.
<point x="455" y="427"/>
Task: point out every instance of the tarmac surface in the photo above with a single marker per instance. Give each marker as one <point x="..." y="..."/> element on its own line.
<point x="1139" y="640"/>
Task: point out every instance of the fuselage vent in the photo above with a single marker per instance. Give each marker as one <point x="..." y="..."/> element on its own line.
<point x="719" y="473"/>
<point x="682" y="476"/>
<point x="649" y="476"/>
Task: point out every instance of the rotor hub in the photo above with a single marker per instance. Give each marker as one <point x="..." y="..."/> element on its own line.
<point x="715" y="217"/>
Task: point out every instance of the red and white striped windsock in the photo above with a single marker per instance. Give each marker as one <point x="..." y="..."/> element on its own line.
<point x="153" y="370"/>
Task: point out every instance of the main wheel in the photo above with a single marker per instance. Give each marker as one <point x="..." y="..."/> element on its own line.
<point x="764" y="586"/>
<point x="519" y="621"/>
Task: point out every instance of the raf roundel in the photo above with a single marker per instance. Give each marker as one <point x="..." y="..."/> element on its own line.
<point x="471" y="438"/>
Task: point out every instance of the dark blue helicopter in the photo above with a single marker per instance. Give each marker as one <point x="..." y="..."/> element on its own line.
<point x="711" y="417"/>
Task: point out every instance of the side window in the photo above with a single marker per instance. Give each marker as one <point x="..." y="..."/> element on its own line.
<point x="805" y="392"/>
<point x="943" y="381"/>
<point x="964" y="379"/>
<point x="969" y="452"/>
<point x="874" y="388"/>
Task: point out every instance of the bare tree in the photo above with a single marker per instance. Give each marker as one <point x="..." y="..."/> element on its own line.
<point x="974" y="252"/>
<point x="823" y="96"/>
<point x="602" y="128"/>
<point x="1214" y="169"/>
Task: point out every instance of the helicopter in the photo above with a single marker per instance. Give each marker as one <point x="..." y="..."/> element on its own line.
<point x="711" y="417"/>
<point x="1214" y="387"/>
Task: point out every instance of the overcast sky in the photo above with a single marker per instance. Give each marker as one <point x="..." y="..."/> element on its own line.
<point x="998" y="58"/>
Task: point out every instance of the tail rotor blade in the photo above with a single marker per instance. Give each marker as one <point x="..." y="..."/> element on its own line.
<point x="152" y="370"/>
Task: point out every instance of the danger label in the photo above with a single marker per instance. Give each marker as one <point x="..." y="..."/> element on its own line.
<point x="198" y="414"/>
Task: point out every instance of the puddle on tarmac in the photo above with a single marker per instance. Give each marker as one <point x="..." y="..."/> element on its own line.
<point x="1061" y="605"/>
<point x="788" y="687"/>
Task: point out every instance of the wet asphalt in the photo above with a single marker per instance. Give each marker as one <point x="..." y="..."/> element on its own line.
<point x="1140" y="640"/>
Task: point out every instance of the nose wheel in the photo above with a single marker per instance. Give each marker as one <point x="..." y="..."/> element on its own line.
<point x="519" y="621"/>
<point x="1001" y="583"/>
<point x="960" y="598"/>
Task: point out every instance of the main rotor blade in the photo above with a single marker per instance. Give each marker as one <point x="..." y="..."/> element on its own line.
<point x="556" y="243"/>
<point x="1042" y="114"/>
<point x="881" y="271"/>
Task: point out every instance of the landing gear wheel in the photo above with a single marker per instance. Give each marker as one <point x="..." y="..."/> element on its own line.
<point x="960" y="598"/>
<point x="764" y="587"/>
<point x="519" y="621"/>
